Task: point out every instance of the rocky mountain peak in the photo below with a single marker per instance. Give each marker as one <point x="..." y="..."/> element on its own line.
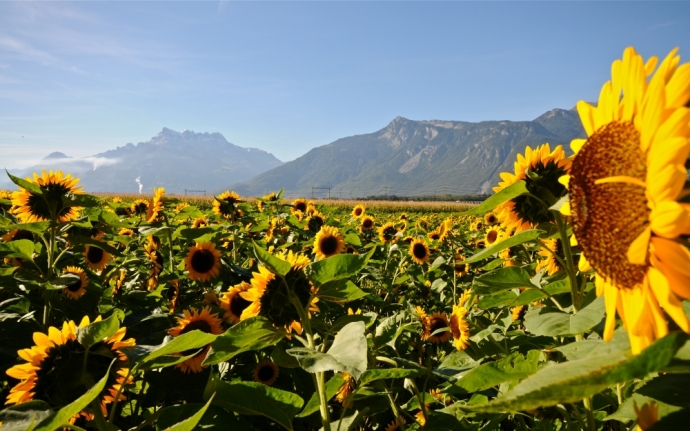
<point x="56" y="155"/>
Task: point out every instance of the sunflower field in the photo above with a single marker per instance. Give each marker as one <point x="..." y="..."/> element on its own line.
<point x="559" y="303"/>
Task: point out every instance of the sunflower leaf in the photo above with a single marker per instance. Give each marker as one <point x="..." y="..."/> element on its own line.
<point x="26" y="185"/>
<point x="508" y="193"/>
<point x="251" y="334"/>
<point x="23" y="416"/>
<point x="95" y="332"/>
<point x="40" y="227"/>
<point x="85" y="240"/>
<point x="143" y="355"/>
<point x="511" y="277"/>
<point x="190" y="423"/>
<point x="332" y="387"/>
<point x="390" y="373"/>
<point x="571" y="381"/>
<point x="517" y="239"/>
<point x="250" y="398"/>
<point x="274" y="264"/>
<point x="553" y="322"/>
<point x="337" y="267"/>
<point x="215" y="418"/>
<point x="80" y="200"/>
<point x="20" y="249"/>
<point x="485" y="376"/>
<point x="58" y="419"/>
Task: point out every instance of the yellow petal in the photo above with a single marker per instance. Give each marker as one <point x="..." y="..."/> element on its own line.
<point x="611" y="299"/>
<point x="678" y="88"/>
<point x="669" y="219"/>
<point x="565" y="209"/>
<point x="565" y="180"/>
<point x="583" y="265"/>
<point x="41" y="339"/>
<point x="667" y="184"/>
<point x="667" y="299"/>
<point x="637" y="252"/>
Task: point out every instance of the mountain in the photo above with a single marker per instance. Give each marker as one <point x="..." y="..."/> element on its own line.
<point x="408" y="158"/>
<point x="174" y="160"/>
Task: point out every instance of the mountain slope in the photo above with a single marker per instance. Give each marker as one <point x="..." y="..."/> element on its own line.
<point x="417" y="158"/>
<point x="174" y="160"/>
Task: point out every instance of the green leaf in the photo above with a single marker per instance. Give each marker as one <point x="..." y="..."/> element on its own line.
<point x="517" y="239"/>
<point x="274" y="264"/>
<point x="485" y="376"/>
<point x="215" y="419"/>
<point x="252" y="334"/>
<point x="582" y="349"/>
<point x="388" y="373"/>
<point x="511" y="277"/>
<point x="626" y="411"/>
<point x="80" y="200"/>
<point x="347" y="353"/>
<point x="31" y="187"/>
<point x="189" y="212"/>
<point x="510" y="192"/>
<point x="674" y="421"/>
<point x="570" y="382"/>
<point x="340" y="291"/>
<point x="500" y="299"/>
<point x="58" y="419"/>
<point x="250" y="398"/>
<point x="332" y="387"/>
<point x="352" y="238"/>
<point x="337" y="267"/>
<point x="85" y="240"/>
<point x="97" y="331"/>
<point x="143" y="355"/>
<point x="190" y="423"/>
<point x="553" y="322"/>
<point x="113" y="220"/>
<point x="40" y="227"/>
<point x="24" y="416"/>
<point x="21" y="249"/>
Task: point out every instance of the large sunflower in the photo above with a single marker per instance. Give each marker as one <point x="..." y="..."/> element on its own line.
<point x="419" y="251"/>
<point x="540" y="169"/>
<point x="226" y="204"/>
<point x="54" y="367"/>
<point x="233" y="303"/>
<point x="299" y="206"/>
<point x="202" y="321"/>
<point x="56" y="188"/>
<point x="269" y="295"/>
<point x="140" y="207"/>
<point x="459" y="328"/>
<point x="367" y="223"/>
<point x="328" y="242"/>
<point x="388" y="232"/>
<point x="77" y="288"/>
<point x="624" y="186"/>
<point x="153" y="212"/>
<point x="433" y="323"/>
<point x="203" y="261"/>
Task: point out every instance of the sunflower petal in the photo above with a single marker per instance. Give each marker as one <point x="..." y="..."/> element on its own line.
<point x="667" y="299"/>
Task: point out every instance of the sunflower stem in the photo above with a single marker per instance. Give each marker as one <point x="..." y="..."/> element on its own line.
<point x="111" y="417"/>
<point x="570" y="267"/>
<point x="171" y="256"/>
<point x="591" y="426"/>
<point x="323" y="402"/>
<point x="422" y="404"/>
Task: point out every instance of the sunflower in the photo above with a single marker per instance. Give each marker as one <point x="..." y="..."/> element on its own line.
<point x="647" y="415"/>
<point x="199" y="223"/>
<point x="269" y="296"/>
<point x="432" y="324"/>
<point x="388" y="232"/>
<point x="315" y="221"/>
<point x="624" y="185"/>
<point x="180" y="207"/>
<point x="54" y="367"/>
<point x="56" y="189"/>
<point x="260" y="206"/>
<point x="351" y="249"/>
<point x="233" y="303"/>
<point x="395" y="424"/>
<point x="77" y="288"/>
<point x="367" y="223"/>
<point x="202" y="321"/>
<point x="460" y="268"/>
<point x="17" y="234"/>
<point x="480" y="244"/>
<point x="518" y="312"/>
<point x="507" y="255"/>
<point x="402" y="217"/>
<point x="154" y="210"/>
<point x="96" y="258"/>
<point x="492" y="235"/>
<point x="490" y="219"/>
<point x="140" y="207"/>
<point x="477" y="225"/>
<point x="117" y="285"/>
<point x="226" y="204"/>
<point x="345" y="390"/>
<point x="173" y="294"/>
<point x="203" y="261"/>
<point x="548" y="260"/>
<point x="419" y="251"/>
<point x="270" y="231"/>
<point x="299" y="206"/>
<point x="358" y="211"/>
<point x="459" y="328"/>
<point x="266" y="372"/>
<point x="125" y="232"/>
<point x="434" y="235"/>
<point x="540" y="169"/>
<point x="328" y="242"/>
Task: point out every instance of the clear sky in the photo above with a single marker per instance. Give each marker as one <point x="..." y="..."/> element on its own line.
<point x="85" y="77"/>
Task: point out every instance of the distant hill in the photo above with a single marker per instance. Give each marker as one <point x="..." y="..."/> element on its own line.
<point x="412" y="158"/>
<point x="174" y="160"/>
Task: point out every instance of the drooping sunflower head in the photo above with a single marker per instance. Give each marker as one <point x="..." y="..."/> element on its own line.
<point x="367" y="223"/>
<point x="199" y="223"/>
<point x="540" y="169"/>
<point x="315" y="221"/>
<point x="125" y="232"/>
<point x="179" y="207"/>
<point x="153" y="212"/>
<point x="271" y="197"/>
<point x="140" y="207"/>
<point x="419" y="251"/>
<point x="345" y="390"/>
<point x="17" y="234"/>
<point x="226" y="204"/>
<point x="233" y="303"/>
<point x="203" y="321"/>
<point x="299" y="206"/>
<point x="433" y="323"/>
<point x="358" y="211"/>
<point x="266" y="372"/>
<point x="548" y="260"/>
<point x="328" y="242"/>
<point x="388" y="233"/>
<point x="96" y="258"/>
<point x="203" y="261"/>
<point x="55" y="367"/>
<point x="53" y="203"/>
<point x="77" y="288"/>
<point x="459" y="328"/>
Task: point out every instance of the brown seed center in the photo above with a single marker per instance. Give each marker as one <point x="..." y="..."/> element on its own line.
<point x="328" y="245"/>
<point x="608" y="217"/>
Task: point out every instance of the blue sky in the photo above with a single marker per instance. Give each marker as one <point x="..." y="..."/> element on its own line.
<point x="85" y="77"/>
